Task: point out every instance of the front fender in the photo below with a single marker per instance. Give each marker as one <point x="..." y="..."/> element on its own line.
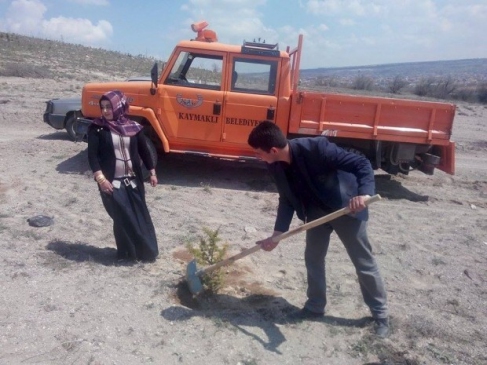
<point x="149" y="114"/>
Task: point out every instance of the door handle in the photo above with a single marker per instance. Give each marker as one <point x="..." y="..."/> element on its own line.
<point x="217" y="108"/>
<point x="271" y="112"/>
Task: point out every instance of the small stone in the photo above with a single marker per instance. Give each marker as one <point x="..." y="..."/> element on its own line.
<point x="250" y="229"/>
<point x="40" y="221"/>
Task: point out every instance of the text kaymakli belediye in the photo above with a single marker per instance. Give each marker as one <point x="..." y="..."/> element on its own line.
<point x="214" y="119"/>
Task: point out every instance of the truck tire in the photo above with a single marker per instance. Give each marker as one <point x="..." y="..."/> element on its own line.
<point x="70" y="126"/>
<point x="354" y="150"/>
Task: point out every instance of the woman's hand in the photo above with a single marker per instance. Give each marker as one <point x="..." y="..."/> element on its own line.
<point x="106" y="187"/>
<point x="153" y="180"/>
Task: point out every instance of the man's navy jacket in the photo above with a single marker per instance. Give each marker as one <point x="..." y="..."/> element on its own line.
<point x="332" y="174"/>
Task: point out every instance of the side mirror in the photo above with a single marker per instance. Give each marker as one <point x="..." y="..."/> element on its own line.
<point x="154" y="75"/>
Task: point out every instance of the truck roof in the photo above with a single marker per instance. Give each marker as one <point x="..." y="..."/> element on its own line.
<point x="232" y="48"/>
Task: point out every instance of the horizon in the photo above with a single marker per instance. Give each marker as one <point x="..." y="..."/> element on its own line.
<point x="345" y="33"/>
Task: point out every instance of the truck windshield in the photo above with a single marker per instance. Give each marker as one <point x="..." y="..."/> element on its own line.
<point x="196" y="70"/>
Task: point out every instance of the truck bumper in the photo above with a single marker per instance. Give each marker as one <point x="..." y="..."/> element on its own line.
<point x="54" y="120"/>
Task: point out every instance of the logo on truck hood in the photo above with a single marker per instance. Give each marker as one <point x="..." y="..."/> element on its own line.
<point x="189" y="103"/>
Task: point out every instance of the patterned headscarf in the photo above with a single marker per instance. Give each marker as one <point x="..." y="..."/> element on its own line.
<point x="120" y="123"/>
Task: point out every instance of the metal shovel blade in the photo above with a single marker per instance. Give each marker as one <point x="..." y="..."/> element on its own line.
<point x="192" y="278"/>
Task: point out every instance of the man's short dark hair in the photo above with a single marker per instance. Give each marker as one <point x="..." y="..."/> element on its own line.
<point x="267" y="135"/>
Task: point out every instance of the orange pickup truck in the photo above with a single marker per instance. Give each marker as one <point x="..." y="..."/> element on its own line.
<point x="210" y="95"/>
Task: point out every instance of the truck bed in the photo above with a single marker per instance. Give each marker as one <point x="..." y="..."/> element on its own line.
<point x="372" y="118"/>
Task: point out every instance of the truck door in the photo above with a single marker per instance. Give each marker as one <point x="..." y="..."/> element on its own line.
<point x="192" y="98"/>
<point x="251" y="96"/>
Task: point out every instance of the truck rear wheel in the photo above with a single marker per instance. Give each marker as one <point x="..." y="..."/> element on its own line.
<point x="354" y="150"/>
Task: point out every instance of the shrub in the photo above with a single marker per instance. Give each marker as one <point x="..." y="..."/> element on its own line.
<point x="424" y="87"/>
<point x="362" y="82"/>
<point x="436" y="88"/>
<point x="444" y="88"/>
<point x="25" y="70"/>
<point x="482" y="93"/>
<point x="208" y="253"/>
<point x="397" y="84"/>
<point x="465" y="94"/>
<point x="329" y="81"/>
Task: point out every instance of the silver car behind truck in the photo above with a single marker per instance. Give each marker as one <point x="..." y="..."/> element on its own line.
<point x="63" y="113"/>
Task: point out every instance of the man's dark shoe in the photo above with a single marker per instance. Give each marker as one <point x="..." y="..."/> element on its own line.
<point x="381" y="327"/>
<point x="303" y="315"/>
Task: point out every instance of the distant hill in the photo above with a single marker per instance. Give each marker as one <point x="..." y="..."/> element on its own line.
<point x="36" y="57"/>
<point x="462" y="70"/>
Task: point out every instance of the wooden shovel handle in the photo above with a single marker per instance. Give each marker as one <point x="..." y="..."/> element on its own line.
<point x="302" y="228"/>
<point x="324" y="219"/>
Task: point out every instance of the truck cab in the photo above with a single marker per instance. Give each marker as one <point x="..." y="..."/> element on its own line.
<point x="218" y="93"/>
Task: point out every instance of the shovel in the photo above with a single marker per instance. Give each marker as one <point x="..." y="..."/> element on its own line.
<point x="193" y="275"/>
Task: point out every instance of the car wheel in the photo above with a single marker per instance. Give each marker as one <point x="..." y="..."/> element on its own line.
<point x="70" y="126"/>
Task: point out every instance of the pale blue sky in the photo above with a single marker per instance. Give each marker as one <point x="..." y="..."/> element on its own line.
<point x="336" y="32"/>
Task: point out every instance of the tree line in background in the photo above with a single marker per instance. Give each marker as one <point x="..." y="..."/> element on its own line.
<point x="435" y="87"/>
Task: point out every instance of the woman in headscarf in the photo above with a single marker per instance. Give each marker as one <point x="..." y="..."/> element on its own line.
<point x="114" y="145"/>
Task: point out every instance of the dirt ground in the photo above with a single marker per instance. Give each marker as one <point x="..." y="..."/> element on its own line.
<point x="65" y="300"/>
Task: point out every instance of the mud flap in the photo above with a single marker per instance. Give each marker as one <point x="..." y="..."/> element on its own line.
<point x="447" y="162"/>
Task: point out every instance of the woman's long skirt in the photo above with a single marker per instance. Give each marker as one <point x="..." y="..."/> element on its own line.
<point x="134" y="231"/>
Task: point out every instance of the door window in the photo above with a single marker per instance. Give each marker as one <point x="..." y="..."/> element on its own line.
<point x="196" y="71"/>
<point x="254" y="76"/>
